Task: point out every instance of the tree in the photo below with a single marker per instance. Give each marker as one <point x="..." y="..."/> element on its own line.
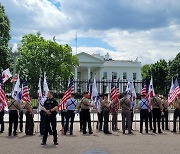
<point x="4" y="38"/>
<point x="39" y="54"/>
<point x="174" y="67"/>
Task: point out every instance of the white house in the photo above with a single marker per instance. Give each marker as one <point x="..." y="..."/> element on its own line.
<point x="106" y="68"/>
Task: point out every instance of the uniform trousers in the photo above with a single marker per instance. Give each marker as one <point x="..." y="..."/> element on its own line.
<point x="150" y="119"/>
<point x="114" y="120"/>
<point x="156" y="118"/>
<point x="21" y="121"/>
<point x="50" y="119"/>
<point x="13" y="119"/>
<point x="165" y="120"/>
<point x="2" y="121"/>
<point x="176" y="115"/>
<point x="81" y="120"/>
<point x="100" y="120"/>
<point x="106" y="120"/>
<point x="126" y="115"/>
<point x="42" y="123"/>
<point x="144" y="116"/>
<point x="29" y="128"/>
<point x="69" y="115"/>
<point x="63" y="117"/>
<point x="86" y="118"/>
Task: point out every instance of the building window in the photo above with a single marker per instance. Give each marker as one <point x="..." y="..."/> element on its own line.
<point x="134" y="76"/>
<point x="114" y="75"/>
<point x="105" y="75"/>
<point x="124" y="76"/>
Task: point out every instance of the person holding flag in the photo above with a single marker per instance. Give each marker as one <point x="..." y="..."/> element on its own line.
<point x="165" y="111"/>
<point x="29" y="128"/>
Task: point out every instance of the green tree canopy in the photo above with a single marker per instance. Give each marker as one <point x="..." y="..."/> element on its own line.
<point x="4" y="38"/>
<point x="39" y="54"/>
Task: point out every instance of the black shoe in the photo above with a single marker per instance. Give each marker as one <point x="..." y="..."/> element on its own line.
<point x="55" y="143"/>
<point x="130" y="133"/>
<point x="100" y="130"/>
<point x="167" y="129"/>
<point x="123" y="132"/>
<point x="90" y="132"/>
<point x="15" y="134"/>
<point x="84" y="132"/>
<point x="174" y="131"/>
<point x="1" y="131"/>
<point x="154" y="131"/>
<point x="160" y="132"/>
<point x="43" y="143"/>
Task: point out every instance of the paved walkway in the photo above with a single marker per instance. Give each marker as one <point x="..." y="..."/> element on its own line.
<point x="98" y="143"/>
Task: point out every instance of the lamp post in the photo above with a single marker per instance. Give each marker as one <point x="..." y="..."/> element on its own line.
<point x="14" y="55"/>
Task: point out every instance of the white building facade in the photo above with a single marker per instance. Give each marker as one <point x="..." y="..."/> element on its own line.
<point x="107" y="69"/>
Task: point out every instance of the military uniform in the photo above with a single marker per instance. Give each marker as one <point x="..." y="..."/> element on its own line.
<point x="13" y="106"/>
<point x="114" y="111"/>
<point x="157" y="108"/>
<point x="106" y="109"/>
<point x="49" y="104"/>
<point x="143" y="106"/>
<point x="29" y="128"/>
<point x="165" y="115"/>
<point x="125" y="104"/>
<point x="176" y="114"/>
<point x="86" y="117"/>
<point x="1" y="117"/>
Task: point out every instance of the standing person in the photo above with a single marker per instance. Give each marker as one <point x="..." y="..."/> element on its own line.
<point x="86" y="117"/>
<point x="176" y="113"/>
<point x="150" y="118"/>
<point x="125" y="104"/>
<point x="29" y="128"/>
<point x="50" y="108"/>
<point x="1" y="117"/>
<point x="14" y="107"/>
<point x="70" y="114"/>
<point x="63" y="117"/>
<point x="114" y="111"/>
<point x="143" y="107"/>
<point x="100" y="115"/>
<point x="165" y="110"/>
<point x="42" y="117"/>
<point x="157" y="107"/>
<point x="106" y="109"/>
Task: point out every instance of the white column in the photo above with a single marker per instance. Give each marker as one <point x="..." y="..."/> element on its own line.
<point x="89" y="73"/>
<point x="75" y="78"/>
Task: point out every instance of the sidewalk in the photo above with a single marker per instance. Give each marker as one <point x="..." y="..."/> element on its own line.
<point x="98" y="143"/>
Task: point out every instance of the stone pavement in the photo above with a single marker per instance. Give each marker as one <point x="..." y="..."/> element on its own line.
<point x="98" y="143"/>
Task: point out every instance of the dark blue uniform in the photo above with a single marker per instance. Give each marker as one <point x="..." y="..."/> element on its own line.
<point x="50" y="103"/>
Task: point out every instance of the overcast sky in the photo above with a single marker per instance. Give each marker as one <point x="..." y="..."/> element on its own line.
<point x="147" y="29"/>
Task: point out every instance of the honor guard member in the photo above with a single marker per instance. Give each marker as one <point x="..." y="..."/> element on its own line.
<point x="176" y="113"/>
<point x="143" y="107"/>
<point x="157" y="107"/>
<point x="85" y="109"/>
<point x="42" y="116"/>
<point x="21" y="120"/>
<point x="50" y="108"/>
<point x="106" y="109"/>
<point x="13" y="107"/>
<point x="70" y="113"/>
<point x="125" y="104"/>
<point x="114" y="111"/>
<point x="133" y="109"/>
<point x="29" y="128"/>
<point x="1" y="117"/>
<point x="165" y="110"/>
<point x="100" y="115"/>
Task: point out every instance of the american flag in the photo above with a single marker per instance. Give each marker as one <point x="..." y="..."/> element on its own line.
<point x="67" y="94"/>
<point x="25" y="92"/>
<point x="174" y="93"/>
<point x="3" y="98"/>
<point x="144" y="90"/>
<point x="113" y="91"/>
<point x="6" y="74"/>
